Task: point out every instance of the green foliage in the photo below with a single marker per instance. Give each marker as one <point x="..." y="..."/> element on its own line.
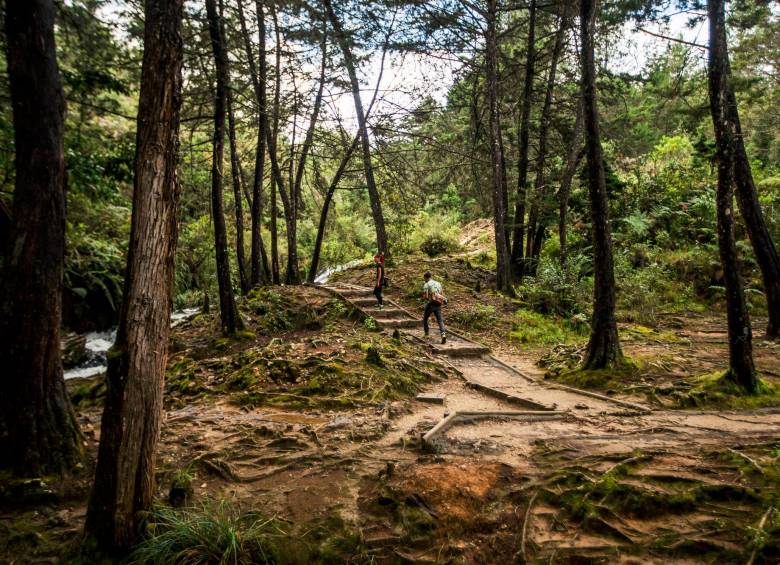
<point x="434" y="233"/>
<point x="195" y="263"/>
<point x="558" y="291"/>
<point x="371" y="324"/>
<point x="96" y="239"/>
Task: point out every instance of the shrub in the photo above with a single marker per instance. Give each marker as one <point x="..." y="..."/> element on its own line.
<point x="557" y="291"/>
<point x="437" y="244"/>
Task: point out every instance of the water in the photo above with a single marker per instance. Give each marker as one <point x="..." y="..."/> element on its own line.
<point x="325" y="275"/>
<point x="98" y="344"/>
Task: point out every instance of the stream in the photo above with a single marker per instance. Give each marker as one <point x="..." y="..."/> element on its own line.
<point x="98" y="344"/>
<point x="325" y="275"/>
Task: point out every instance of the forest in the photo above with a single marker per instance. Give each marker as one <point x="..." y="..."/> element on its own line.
<point x="224" y="226"/>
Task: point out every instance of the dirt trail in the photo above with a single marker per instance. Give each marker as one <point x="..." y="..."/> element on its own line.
<point x="590" y="418"/>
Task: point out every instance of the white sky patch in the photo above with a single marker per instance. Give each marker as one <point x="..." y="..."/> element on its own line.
<point x="407" y="80"/>
<point x="638" y="47"/>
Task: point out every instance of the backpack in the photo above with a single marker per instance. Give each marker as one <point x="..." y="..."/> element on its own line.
<point x="439" y="298"/>
<point x="385" y="282"/>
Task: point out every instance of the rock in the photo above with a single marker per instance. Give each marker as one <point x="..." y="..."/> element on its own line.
<point x="27" y="491"/>
<point x="74" y="350"/>
<point x="430" y="397"/>
<point x="337" y="423"/>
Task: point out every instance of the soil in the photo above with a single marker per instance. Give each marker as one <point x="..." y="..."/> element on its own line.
<point x="626" y="477"/>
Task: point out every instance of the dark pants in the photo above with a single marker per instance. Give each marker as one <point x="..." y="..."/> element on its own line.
<point x="433" y="308"/>
<point x="378" y="294"/>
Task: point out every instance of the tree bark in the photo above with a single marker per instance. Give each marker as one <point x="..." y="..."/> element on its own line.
<point x="373" y="192"/>
<point x="747" y="195"/>
<point x="296" y="196"/>
<point x="259" y="269"/>
<point x="229" y="318"/>
<point x="537" y="216"/>
<point x="235" y="171"/>
<point x="519" y="227"/>
<point x="315" y="257"/>
<point x="503" y="272"/>
<point x="340" y="170"/>
<point x="604" y="346"/>
<point x="38" y="430"/>
<point x="741" y="368"/>
<point x="130" y="428"/>
<point x="573" y="157"/>
<point x="275" y="268"/>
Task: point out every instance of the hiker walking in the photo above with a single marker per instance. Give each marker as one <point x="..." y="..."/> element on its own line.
<point x="434" y="296"/>
<point x="379" y="279"/>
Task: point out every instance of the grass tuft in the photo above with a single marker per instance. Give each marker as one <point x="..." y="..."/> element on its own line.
<point x="213" y="533"/>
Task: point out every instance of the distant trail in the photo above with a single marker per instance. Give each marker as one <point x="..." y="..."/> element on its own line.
<point x="494" y="396"/>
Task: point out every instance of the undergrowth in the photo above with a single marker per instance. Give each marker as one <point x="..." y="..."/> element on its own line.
<point x="532" y="328"/>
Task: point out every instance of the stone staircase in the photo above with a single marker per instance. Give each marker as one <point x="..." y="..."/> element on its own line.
<point x="394" y="316"/>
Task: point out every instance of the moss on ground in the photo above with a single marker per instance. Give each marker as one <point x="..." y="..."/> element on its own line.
<point x="534" y="329"/>
<point x="610" y="380"/>
<point x="718" y="390"/>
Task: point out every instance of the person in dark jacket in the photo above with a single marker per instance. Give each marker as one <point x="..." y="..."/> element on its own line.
<point x="379" y="279"/>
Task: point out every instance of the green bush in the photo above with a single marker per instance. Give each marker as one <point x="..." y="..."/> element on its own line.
<point x="558" y="291"/>
<point x="437" y="244"/>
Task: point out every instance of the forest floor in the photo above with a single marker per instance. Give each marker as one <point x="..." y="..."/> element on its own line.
<point x="310" y="416"/>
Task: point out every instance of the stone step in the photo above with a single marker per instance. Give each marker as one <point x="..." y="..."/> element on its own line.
<point x="354" y="292"/>
<point x="362" y="302"/>
<point x="386" y="313"/>
<point x="402" y="323"/>
<point x="460" y="349"/>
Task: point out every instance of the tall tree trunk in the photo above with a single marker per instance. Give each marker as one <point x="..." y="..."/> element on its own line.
<point x="537" y="215"/>
<point x="235" y="171"/>
<point x="741" y="368"/>
<point x="124" y="477"/>
<point x="573" y="156"/>
<point x="293" y="275"/>
<point x="38" y="431"/>
<point x="503" y="272"/>
<point x="275" y="268"/>
<point x="296" y="195"/>
<point x="519" y="228"/>
<point x="315" y="257"/>
<point x="230" y="320"/>
<point x="341" y="169"/>
<point x="747" y="196"/>
<point x="604" y="345"/>
<point x="289" y="204"/>
<point x="258" y="263"/>
<point x="373" y="192"/>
